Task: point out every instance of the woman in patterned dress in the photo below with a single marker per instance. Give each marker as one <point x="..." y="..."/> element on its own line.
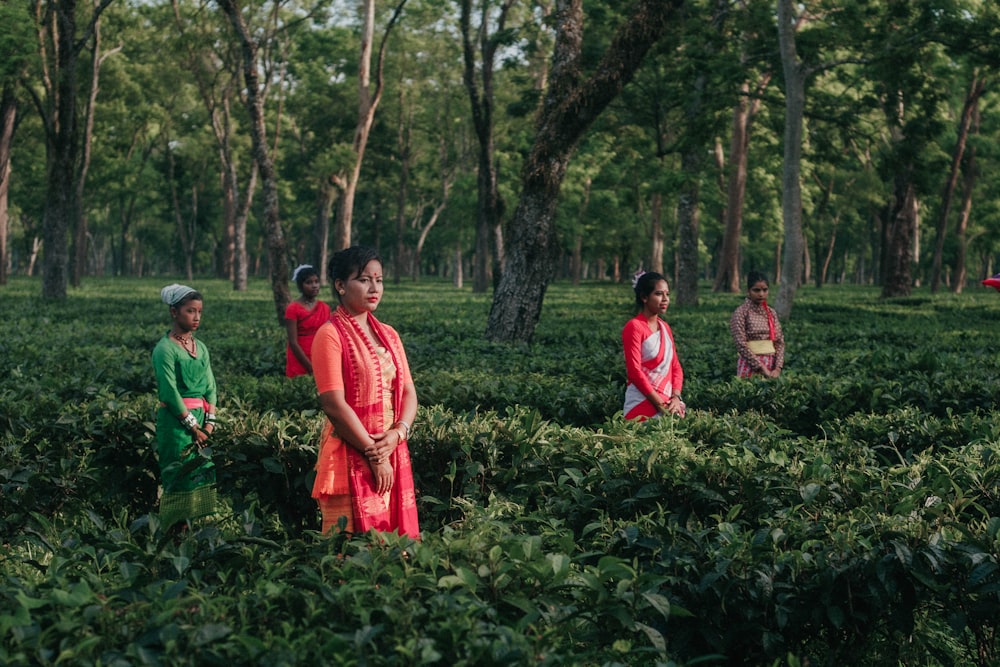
<point x="757" y="333"/>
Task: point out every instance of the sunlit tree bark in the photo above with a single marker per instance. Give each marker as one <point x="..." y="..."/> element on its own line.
<point x="276" y="247"/>
<point x="369" y="97"/>
<point x="571" y="105"/>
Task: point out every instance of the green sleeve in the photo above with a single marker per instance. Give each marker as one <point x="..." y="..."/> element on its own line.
<point x="164" y="366"/>
<point x="211" y="391"/>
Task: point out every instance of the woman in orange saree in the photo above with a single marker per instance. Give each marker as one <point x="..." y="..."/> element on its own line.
<point x="364" y="477"/>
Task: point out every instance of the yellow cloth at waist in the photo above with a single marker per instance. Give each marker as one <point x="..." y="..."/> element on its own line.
<point x="761" y="346"/>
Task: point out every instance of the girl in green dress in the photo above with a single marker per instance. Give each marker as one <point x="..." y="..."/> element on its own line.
<point x="186" y="415"/>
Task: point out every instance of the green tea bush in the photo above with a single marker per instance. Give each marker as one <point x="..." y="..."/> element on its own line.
<point x="846" y="512"/>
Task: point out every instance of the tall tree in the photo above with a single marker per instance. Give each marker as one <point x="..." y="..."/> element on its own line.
<point x="697" y="138"/>
<point x="61" y="43"/>
<point x="15" y="38"/>
<point x="909" y="99"/>
<point x="8" y="117"/>
<point x="969" y="106"/>
<point x="727" y="277"/>
<point x="78" y="244"/>
<point x="369" y="96"/>
<point x="571" y="105"/>
<point x="254" y="103"/>
<point x="970" y="174"/>
<point x="215" y="66"/>
<point x="791" y="184"/>
<point x="479" y="84"/>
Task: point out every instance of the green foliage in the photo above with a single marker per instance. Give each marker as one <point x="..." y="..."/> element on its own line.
<point x="845" y="513"/>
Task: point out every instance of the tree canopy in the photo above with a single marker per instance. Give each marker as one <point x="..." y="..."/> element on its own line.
<point x="127" y="143"/>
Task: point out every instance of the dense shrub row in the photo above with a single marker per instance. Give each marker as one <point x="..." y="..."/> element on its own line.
<point x="844" y="513"/>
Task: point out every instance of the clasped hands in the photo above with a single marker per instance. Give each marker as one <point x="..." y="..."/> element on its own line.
<point x="378" y="452"/>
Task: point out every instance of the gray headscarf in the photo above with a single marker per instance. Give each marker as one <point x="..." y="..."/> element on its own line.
<point x="173" y="294"/>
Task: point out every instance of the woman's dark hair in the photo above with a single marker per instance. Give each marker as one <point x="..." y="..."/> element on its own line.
<point x="304" y="274"/>
<point x="349" y="262"/>
<point x="645" y="285"/>
<point x="190" y="296"/>
<point x="755" y="277"/>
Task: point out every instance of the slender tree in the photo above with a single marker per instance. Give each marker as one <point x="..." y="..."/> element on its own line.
<point x="971" y="103"/>
<point x="8" y="117"/>
<point x="369" y="97"/>
<point x="262" y="156"/>
<point x="791" y="185"/>
<point x="61" y="43"/>
<point x="78" y="244"/>
<point x="479" y="85"/>
<point x="755" y="79"/>
<point x="970" y="174"/>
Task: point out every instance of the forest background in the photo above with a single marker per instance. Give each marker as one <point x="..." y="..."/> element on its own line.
<point x="820" y="142"/>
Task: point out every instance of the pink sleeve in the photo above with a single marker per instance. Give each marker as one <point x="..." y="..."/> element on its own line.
<point x="327" y="360"/>
<point x="632" y="336"/>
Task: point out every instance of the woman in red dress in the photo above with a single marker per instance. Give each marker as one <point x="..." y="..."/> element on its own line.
<point x="303" y="318"/>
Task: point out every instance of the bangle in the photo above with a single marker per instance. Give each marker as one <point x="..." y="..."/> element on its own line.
<point x="210" y="417"/>
<point x="406" y="428"/>
<point x="189" y="421"/>
<point x="678" y="397"/>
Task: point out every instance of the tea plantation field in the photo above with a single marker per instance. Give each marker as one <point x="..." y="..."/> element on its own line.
<point x="846" y="513"/>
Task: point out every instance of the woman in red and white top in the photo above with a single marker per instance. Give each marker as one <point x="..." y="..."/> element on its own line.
<point x="757" y="333"/>
<point x="655" y="376"/>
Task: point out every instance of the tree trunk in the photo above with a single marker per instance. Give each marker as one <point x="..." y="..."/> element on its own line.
<point x="828" y="257"/>
<point x="569" y="109"/>
<point x="656" y="232"/>
<point x="791" y="185"/>
<point x="8" y="117"/>
<point x="447" y="180"/>
<point x="62" y="137"/>
<point x="976" y="89"/>
<point x="369" y="97"/>
<point x="326" y="193"/>
<point x="457" y="273"/>
<point x="901" y="227"/>
<point x="276" y="247"/>
<point x="78" y="256"/>
<point x="971" y="174"/>
<point x="576" y="260"/>
<point x="688" y="222"/>
<point x="727" y="279"/>
<point x="403" y="143"/>
<point x="488" y="196"/>
<point x="217" y="93"/>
